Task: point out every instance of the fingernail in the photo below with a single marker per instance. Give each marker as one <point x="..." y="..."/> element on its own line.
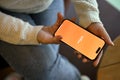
<point x="84" y="60"/>
<point x="79" y="56"/>
<point x="112" y="43"/>
<point x="60" y="37"/>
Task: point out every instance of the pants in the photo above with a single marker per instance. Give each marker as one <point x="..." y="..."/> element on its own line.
<point x="39" y="62"/>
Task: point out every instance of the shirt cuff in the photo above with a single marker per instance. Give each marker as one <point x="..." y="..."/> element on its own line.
<point x="89" y="17"/>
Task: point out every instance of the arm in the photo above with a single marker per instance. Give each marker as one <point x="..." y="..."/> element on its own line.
<point x="16" y="31"/>
<point x="87" y="11"/>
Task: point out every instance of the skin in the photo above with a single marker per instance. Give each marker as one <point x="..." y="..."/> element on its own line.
<point x="46" y="35"/>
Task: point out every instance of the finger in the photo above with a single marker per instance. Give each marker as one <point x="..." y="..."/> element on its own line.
<point x="59" y="20"/>
<point x="55" y="40"/>
<point x="106" y="37"/>
<point x="57" y="24"/>
<point x="78" y="54"/>
<point x="73" y="19"/>
<point x="84" y="60"/>
<point x="60" y="17"/>
<point x="96" y="62"/>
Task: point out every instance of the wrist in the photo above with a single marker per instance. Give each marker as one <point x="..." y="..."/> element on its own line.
<point x="95" y="24"/>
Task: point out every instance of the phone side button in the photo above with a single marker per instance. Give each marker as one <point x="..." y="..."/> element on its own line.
<point x="97" y="51"/>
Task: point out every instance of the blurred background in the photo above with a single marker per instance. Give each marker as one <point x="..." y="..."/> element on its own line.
<point x="110" y="16"/>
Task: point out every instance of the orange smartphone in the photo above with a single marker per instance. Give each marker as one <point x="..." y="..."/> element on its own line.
<point x="80" y="39"/>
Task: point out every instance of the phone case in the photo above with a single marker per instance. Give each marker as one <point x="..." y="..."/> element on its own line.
<point x="80" y="39"/>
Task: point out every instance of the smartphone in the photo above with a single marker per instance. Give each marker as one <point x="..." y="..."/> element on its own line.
<point x="80" y="39"/>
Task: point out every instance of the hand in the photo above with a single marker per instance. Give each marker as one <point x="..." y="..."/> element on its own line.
<point x="46" y="35"/>
<point x="99" y="30"/>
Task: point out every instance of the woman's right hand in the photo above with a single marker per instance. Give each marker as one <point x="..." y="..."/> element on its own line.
<point x="46" y="34"/>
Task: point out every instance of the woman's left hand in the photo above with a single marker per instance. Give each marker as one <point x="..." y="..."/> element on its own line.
<point x="99" y="30"/>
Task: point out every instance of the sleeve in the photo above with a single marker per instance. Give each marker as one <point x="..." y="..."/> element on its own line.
<point x="16" y="31"/>
<point x="88" y="12"/>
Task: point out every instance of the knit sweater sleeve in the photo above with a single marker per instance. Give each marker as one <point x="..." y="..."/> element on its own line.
<point x="87" y="11"/>
<point x="16" y="31"/>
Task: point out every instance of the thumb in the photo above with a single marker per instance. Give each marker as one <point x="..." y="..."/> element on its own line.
<point x="58" y="22"/>
<point x="96" y="62"/>
<point x="106" y="37"/>
<point x="59" y="18"/>
<point x="55" y="39"/>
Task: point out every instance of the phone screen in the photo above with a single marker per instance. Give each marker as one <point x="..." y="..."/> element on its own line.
<point x="80" y="39"/>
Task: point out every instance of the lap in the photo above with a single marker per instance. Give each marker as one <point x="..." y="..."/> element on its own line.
<point x="37" y="62"/>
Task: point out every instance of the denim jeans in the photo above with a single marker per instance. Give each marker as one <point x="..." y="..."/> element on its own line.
<point x="39" y="62"/>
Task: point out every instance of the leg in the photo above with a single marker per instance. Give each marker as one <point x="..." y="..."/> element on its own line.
<point x="27" y="59"/>
<point x="39" y="62"/>
<point x="49" y="17"/>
